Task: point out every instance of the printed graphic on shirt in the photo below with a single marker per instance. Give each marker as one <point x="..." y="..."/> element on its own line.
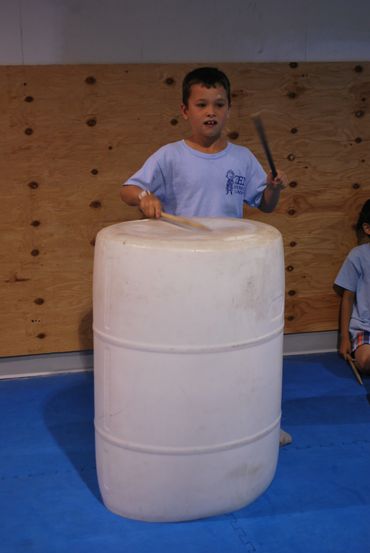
<point x="235" y="184"/>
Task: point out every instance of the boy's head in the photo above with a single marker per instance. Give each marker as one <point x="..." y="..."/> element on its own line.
<point x="205" y="76"/>
<point x="363" y="222"/>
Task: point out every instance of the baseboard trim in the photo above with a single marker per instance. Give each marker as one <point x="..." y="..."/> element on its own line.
<point x="46" y="364"/>
<point x="310" y="342"/>
<point x="55" y="363"/>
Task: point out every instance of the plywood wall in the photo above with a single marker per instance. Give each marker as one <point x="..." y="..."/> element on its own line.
<point x="71" y="134"/>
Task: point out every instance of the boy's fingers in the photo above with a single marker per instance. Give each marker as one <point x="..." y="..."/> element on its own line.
<point x="278" y="181"/>
<point x="156" y="208"/>
<point x="153" y="208"/>
<point x="150" y="206"/>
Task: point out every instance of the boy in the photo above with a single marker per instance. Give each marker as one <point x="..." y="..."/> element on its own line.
<point x="353" y="284"/>
<point x="203" y="175"/>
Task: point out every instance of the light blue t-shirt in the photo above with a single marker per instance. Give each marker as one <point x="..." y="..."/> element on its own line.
<point x="195" y="184"/>
<point x="354" y="276"/>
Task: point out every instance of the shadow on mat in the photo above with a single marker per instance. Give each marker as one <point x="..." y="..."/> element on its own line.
<point x="337" y="366"/>
<point x="69" y="416"/>
<point x="328" y="410"/>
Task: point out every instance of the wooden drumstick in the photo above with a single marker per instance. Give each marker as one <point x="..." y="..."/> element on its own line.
<point x="177" y="220"/>
<point x="262" y="136"/>
<point x="352" y="364"/>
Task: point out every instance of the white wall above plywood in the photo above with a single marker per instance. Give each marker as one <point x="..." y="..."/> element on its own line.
<point x="145" y="31"/>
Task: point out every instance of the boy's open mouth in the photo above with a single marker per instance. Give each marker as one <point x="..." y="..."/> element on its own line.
<point x="210" y="123"/>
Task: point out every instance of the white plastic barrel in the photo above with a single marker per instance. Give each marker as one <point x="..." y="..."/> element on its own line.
<point x="188" y="329"/>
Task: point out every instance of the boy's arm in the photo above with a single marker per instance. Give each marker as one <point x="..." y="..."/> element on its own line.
<point x="346" y="306"/>
<point x="147" y="202"/>
<point x="130" y="194"/>
<point x="271" y="193"/>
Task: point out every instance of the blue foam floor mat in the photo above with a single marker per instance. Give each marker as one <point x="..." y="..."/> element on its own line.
<point x="319" y="500"/>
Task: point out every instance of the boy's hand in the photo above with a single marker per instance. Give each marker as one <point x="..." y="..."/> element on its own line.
<point x="271" y="194"/>
<point x="150" y="206"/>
<point x="279" y="182"/>
<point x="345" y="346"/>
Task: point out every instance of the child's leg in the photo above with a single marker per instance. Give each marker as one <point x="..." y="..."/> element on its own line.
<point x="362" y="356"/>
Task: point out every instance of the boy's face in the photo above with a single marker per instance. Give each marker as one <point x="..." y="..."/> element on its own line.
<point x="207" y="111"/>
<point x="366" y="228"/>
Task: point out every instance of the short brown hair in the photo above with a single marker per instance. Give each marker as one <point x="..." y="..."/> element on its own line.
<point x="208" y="77"/>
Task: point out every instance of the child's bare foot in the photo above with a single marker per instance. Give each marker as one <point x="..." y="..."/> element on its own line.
<point x="285" y="438"/>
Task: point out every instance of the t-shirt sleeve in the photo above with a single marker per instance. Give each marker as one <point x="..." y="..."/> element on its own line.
<point x="256" y="182"/>
<point x="348" y="275"/>
<point x="149" y="176"/>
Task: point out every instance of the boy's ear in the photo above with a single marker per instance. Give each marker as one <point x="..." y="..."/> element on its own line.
<point x="184" y="111"/>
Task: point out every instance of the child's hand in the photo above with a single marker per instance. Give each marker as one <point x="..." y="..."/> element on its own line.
<point x="279" y="182"/>
<point x="151" y="206"/>
<point x="345" y="346"/>
<point x="271" y="193"/>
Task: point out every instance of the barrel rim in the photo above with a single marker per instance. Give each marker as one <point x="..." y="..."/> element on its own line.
<point x="228" y="237"/>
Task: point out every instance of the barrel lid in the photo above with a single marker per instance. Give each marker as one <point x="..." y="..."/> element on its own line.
<point x="220" y="230"/>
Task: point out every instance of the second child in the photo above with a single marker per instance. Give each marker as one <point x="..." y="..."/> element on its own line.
<point x="353" y="281"/>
